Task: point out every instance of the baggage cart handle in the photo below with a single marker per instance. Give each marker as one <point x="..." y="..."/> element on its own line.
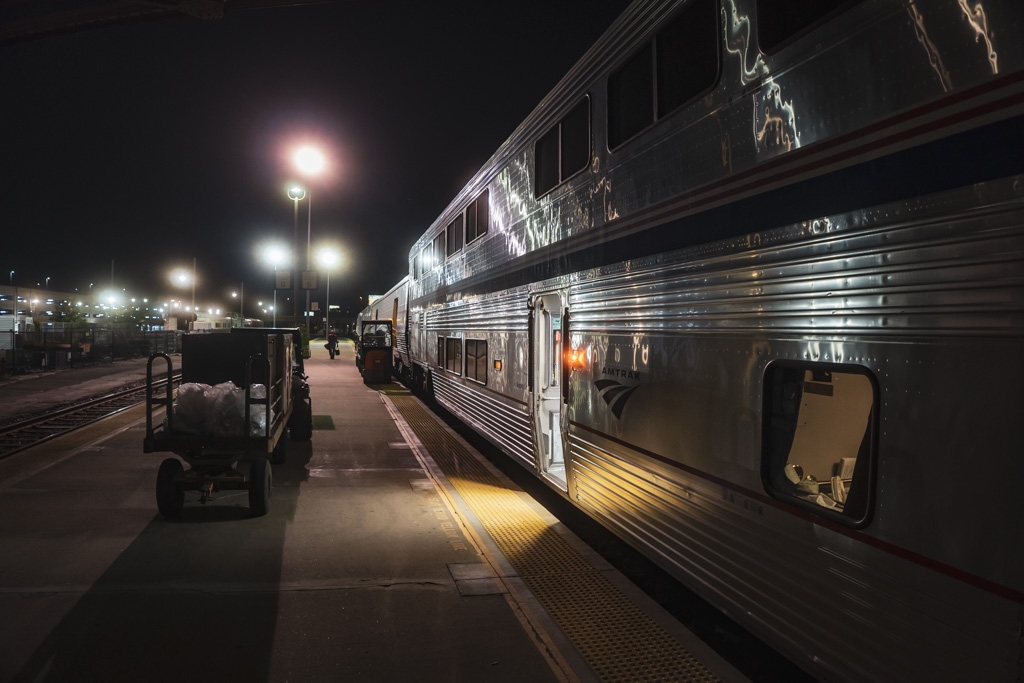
<point x="248" y="395"/>
<point x="168" y="399"/>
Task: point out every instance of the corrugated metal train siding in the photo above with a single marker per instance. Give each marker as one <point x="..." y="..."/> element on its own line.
<point x="951" y="275"/>
<point x="738" y="554"/>
<point x="507" y="426"/>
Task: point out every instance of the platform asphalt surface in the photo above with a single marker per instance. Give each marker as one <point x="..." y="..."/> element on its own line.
<point x="361" y="571"/>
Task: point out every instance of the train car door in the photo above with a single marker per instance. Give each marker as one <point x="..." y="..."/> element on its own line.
<point x="546" y="371"/>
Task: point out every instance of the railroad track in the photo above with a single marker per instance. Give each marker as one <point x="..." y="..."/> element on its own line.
<point x="23" y="433"/>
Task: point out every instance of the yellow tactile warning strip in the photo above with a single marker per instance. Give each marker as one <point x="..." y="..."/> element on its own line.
<point x="618" y="640"/>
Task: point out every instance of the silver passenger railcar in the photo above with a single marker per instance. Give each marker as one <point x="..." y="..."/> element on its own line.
<point x="392" y="305"/>
<point x="748" y="288"/>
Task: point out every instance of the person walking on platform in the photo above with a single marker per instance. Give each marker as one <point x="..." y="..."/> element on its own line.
<point x="332" y="344"/>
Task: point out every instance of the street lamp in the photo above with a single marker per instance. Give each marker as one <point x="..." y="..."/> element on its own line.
<point x="240" y="295"/>
<point x="275" y="255"/>
<point x="327" y="258"/>
<point x="296" y="193"/>
<point x="310" y="162"/>
<point x="181" y="277"/>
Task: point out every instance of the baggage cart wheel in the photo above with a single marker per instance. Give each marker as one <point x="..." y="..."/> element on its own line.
<point x="280" y="453"/>
<point x="301" y="424"/>
<point x="170" y="497"/>
<point x="259" y="487"/>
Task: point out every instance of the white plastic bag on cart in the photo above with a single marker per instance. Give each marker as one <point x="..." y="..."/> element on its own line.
<point x="190" y="408"/>
<point x="226" y="405"/>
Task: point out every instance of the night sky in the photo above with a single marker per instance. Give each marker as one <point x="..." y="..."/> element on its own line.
<point x="150" y="144"/>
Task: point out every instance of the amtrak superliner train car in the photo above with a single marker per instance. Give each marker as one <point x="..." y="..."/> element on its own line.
<point x="748" y="288"/>
<point x="392" y="306"/>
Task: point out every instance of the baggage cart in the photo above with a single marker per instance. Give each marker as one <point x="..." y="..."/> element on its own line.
<point x="239" y="460"/>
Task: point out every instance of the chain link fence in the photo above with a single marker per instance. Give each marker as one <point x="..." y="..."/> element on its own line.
<point x="71" y="345"/>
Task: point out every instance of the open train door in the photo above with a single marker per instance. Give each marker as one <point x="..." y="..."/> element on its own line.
<point x="546" y="378"/>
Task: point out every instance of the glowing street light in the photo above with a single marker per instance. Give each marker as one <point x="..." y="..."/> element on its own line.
<point x="181" y="277"/>
<point x="296" y="193"/>
<point x="309" y="161"/>
<point x="240" y="295"/>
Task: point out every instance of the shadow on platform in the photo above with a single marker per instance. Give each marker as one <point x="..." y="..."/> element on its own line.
<point x="192" y="599"/>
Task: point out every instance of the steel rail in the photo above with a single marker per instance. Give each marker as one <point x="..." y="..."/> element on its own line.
<point x="24" y="433"/>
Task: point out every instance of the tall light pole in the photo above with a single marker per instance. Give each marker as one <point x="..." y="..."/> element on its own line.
<point x="182" y="278"/>
<point x="327" y="258"/>
<point x="194" y="314"/>
<point x="274" y="254"/>
<point x="296" y="193"/>
<point x="241" y="301"/>
<point x="310" y="162"/>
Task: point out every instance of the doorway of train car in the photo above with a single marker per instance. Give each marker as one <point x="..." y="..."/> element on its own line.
<point x="546" y="380"/>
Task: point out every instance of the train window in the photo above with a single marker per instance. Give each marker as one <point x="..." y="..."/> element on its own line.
<point x="440" y="352"/>
<point x="546" y="161"/>
<point x="630" y="98"/>
<point x="818" y="443"/>
<point x="483" y="214"/>
<point x="471" y="222"/>
<point x="426" y="260"/>
<point x="687" y="56"/>
<point x="780" y="20"/>
<point x="476" y="360"/>
<point x="576" y="140"/>
<point x="453" y="355"/>
<point x="564" y="150"/>
<point x="439" y="250"/>
<point x="455" y="235"/>
<point x="677" y="66"/>
<point x="477" y="217"/>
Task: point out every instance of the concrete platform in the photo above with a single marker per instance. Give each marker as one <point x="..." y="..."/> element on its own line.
<point x="369" y="566"/>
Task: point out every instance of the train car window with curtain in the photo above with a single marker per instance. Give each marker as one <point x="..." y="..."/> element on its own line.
<point x="780" y="20"/>
<point x="687" y="56"/>
<point x="818" y="445"/>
